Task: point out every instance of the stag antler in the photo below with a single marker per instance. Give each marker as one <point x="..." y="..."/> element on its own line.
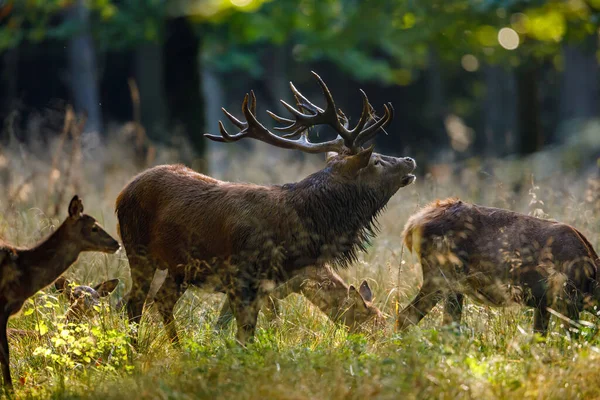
<point x="296" y="133"/>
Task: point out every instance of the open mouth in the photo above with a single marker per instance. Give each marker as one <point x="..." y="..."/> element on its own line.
<point x="408" y="179"/>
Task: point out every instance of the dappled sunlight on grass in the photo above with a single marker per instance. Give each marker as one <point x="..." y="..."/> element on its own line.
<point x="300" y="353"/>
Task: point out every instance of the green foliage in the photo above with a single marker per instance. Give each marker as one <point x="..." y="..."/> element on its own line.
<point x="369" y="39"/>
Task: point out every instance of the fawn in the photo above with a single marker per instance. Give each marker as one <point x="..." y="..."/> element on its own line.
<point x="82" y="300"/>
<point x="328" y="291"/>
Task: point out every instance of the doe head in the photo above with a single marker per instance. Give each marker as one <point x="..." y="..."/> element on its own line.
<point x="85" y="231"/>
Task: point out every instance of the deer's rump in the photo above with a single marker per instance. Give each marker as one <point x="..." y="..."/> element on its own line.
<point x="499" y="257"/>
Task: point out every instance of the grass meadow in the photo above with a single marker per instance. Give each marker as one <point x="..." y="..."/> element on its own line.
<point x="300" y="354"/>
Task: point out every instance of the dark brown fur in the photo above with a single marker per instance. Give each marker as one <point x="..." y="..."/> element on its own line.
<point x="328" y="291"/>
<point x="498" y="257"/>
<point x="26" y="271"/>
<point x="244" y="239"/>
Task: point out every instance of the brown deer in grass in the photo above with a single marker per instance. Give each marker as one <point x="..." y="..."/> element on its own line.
<point x="244" y="239"/>
<point x="328" y="291"/>
<point x="82" y="299"/>
<point x="25" y="271"/>
<point x="499" y="258"/>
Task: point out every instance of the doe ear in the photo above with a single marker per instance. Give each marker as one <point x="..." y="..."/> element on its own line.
<point x="365" y="291"/>
<point x="105" y="288"/>
<point x="361" y="160"/>
<point x="62" y="284"/>
<point x="75" y="207"/>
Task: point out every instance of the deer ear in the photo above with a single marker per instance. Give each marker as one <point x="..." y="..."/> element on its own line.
<point x="353" y="294"/>
<point x="75" y="207"/>
<point x="360" y="160"/>
<point x="63" y="285"/>
<point x="105" y="288"/>
<point x="365" y="291"/>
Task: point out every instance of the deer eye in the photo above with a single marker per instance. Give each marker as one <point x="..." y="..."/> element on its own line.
<point x="94" y="228"/>
<point x="377" y="162"/>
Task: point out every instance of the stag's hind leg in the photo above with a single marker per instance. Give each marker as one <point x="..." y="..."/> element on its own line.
<point x="142" y="271"/>
<point x="541" y="319"/>
<point x="453" y="307"/>
<point x="429" y="295"/>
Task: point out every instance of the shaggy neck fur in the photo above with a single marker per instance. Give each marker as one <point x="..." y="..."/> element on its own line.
<point x="339" y="217"/>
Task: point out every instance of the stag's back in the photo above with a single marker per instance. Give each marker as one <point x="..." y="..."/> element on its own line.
<point x="167" y="208"/>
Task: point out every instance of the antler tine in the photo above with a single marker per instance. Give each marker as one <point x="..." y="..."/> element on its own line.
<point x="364" y="115"/>
<point x="331" y="114"/>
<point x="225" y="136"/>
<point x="369" y="132"/>
<point x="308" y="114"/>
<point x="252" y="106"/>
<point x="252" y="128"/>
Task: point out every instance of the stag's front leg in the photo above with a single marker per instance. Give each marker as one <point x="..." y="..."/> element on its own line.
<point x="426" y="299"/>
<point x="453" y="307"/>
<point x="541" y="320"/>
<point x="245" y="304"/>
<point x="225" y="316"/>
<point x="165" y="300"/>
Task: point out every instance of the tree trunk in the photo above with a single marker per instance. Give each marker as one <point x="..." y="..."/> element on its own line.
<point x="149" y="73"/>
<point x="216" y="153"/>
<point x="499" y="111"/>
<point x="182" y="78"/>
<point x="437" y="110"/>
<point x="8" y="100"/>
<point x="82" y="70"/>
<point x="531" y="137"/>
<point x="579" y="97"/>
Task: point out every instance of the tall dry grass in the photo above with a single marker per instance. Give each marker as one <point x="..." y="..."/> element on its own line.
<point x="301" y="354"/>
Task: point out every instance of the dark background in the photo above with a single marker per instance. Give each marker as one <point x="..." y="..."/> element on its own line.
<point x="459" y="87"/>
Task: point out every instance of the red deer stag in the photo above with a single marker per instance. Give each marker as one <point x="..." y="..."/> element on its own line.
<point x="243" y="239"/>
<point x="499" y="258"/>
<point x="26" y="271"/>
<point x="328" y="291"/>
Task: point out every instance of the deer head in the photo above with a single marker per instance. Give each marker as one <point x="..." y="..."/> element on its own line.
<point x="360" y="310"/>
<point x="84" y="299"/>
<point x="85" y="231"/>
